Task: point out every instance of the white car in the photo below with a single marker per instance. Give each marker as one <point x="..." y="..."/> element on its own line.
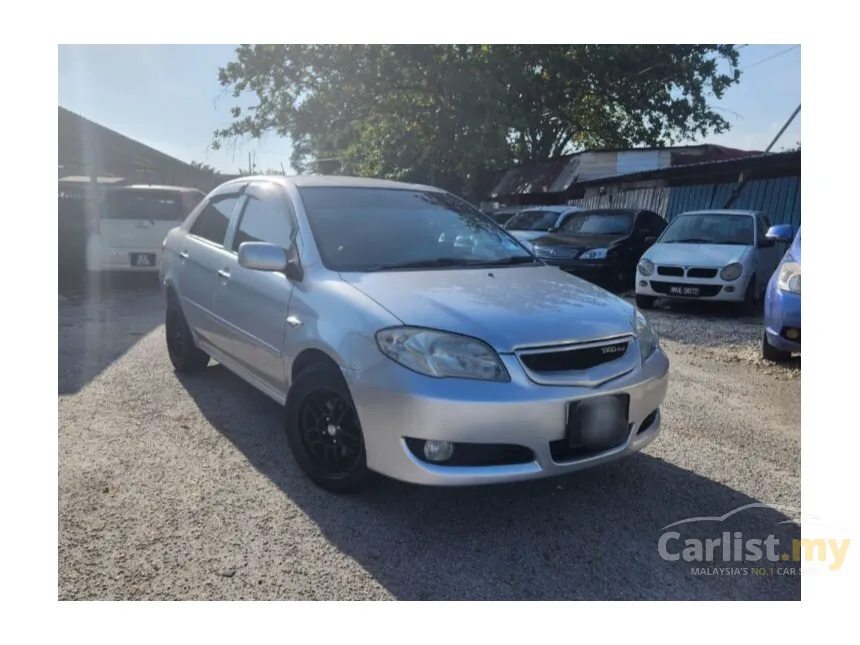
<point x="720" y="255"/>
<point x="538" y="221"/>
<point x="132" y="223"/>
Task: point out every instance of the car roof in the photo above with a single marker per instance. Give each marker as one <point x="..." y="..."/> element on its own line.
<point x="144" y="187"/>
<point x="336" y="181"/>
<point x="721" y="211"/>
<point x="550" y="209"/>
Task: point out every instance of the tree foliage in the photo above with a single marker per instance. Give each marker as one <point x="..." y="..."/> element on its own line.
<point x="452" y="114"/>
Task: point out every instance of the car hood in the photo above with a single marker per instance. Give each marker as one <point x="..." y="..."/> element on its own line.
<point x="527" y="236"/>
<point x="708" y="255"/>
<point x="794" y="249"/>
<point x="507" y="307"/>
<point x="578" y="241"/>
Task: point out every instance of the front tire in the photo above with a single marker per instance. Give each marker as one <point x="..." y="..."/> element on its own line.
<point x="645" y="302"/>
<point x="184" y="354"/>
<point x="771" y="353"/>
<point x="324" y="432"/>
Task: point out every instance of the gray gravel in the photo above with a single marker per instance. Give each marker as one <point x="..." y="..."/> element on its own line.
<point x="183" y="488"/>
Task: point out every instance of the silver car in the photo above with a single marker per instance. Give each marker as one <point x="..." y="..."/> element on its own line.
<point x="407" y="334"/>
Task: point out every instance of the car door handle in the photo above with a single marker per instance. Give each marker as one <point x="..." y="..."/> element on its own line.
<point x="224" y="274"/>
<point x="183" y="255"/>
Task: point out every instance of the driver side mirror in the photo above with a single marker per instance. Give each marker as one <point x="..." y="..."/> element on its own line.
<point x="262" y="256"/>
<point x="780" y="233"/>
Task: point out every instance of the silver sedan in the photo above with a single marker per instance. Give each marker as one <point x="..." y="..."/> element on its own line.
<point x="407" y="334"/>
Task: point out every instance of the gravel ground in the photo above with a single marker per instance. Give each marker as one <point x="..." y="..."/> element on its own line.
<point x="183" y="488"/>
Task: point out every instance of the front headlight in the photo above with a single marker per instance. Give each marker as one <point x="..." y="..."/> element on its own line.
<point x="646" y="267"/>
<point x="789" y="277"/>
<point x="732" y="271"/>
<point x="648" y="339"/>
<point x="440" y="354"/>
<point x="594" y="254"/>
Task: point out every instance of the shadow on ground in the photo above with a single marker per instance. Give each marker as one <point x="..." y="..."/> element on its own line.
<point x="97" y="323"/>
<point x="592" y="535"/>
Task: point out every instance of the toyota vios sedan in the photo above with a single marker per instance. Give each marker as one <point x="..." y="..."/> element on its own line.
<point x="721" y="255"/>
<point x="781" y="337"/>
<point x="408" y="334"/>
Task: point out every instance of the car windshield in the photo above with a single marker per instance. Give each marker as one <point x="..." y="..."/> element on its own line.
<point x="597" y="223"/>
<point x="533" y="220"/>
<point x="710" y="228"/>
<point x="375" y="229"/>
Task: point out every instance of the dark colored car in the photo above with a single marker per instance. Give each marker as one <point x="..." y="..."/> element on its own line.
<point x="602" y="245"/>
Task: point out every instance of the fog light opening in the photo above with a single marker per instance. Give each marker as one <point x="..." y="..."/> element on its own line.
<point x="730" y="289"/>
<point x="643" y="283"/>
<point x="792" y="334"/>
<point x="438" y="450"/>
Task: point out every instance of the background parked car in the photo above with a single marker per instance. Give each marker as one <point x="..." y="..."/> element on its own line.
<point x="602" y="245"/>
<point x="133" y="222"/>
<point x="537" y="221"/>
<point x="781" y="335"/>
<point x="503" y="215"/>
<point x="721" y="255"/>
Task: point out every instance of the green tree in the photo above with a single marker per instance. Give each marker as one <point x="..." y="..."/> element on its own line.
<point x="452" y="114"/>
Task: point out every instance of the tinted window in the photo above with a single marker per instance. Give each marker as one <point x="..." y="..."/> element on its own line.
<point x="598" y="223"/>
<point x="264" y="220"/>
<point x="532" y="220"/>
<point x="362" y="229"/>
<point x="710" y="228"/>
<point x="651" y="223"/>
<point x="143" y="204"/>
<point x="212" y="222"/>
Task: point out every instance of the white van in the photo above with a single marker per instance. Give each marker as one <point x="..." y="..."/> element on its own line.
<point x="133" y="222"/>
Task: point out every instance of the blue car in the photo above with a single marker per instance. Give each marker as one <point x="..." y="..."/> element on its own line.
<point x="781" y="336"/>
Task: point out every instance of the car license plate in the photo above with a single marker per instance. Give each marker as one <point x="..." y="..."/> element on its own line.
<point x="684" y="291"/>
<point x="598" y="423"/>
<point x="143" y="259"/>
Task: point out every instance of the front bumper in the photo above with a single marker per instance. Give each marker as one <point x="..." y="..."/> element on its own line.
<point x="601" y="273"/>
<point x="394" y="403"/>
<point x="715" y="289"/>
<point x="781" y="312"/>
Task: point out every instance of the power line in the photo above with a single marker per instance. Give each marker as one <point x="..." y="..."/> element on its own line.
<point x="771" y="57"/>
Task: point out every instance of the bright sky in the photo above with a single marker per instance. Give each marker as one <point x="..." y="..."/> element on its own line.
<point x="168" y="97"/>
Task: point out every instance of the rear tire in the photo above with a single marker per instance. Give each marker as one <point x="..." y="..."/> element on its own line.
<point x="771" y="353"/>
<point x="324" y="432"/>
<point x="184" y="354"/>
<point x="645" y="302"/>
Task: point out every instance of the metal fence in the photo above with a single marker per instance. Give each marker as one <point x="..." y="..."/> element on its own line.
<point x="778" y="197"/>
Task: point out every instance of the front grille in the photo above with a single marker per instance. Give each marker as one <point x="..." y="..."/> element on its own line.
<point x="573" y="359"/>
<point x="701" y="272"/>
<point x="705" y="290"/>
<point x="556" y="252"/>
<point x="675" y="271"/>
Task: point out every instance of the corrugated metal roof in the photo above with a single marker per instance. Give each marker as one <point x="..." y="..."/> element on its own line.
<point x="559" y="174"/>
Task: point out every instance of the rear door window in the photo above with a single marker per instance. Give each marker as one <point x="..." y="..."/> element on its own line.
<point x="214" y="220"/>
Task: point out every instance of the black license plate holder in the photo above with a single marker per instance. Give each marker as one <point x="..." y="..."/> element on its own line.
<point x="142" y="259"/>
<point x="598" y="423"/>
